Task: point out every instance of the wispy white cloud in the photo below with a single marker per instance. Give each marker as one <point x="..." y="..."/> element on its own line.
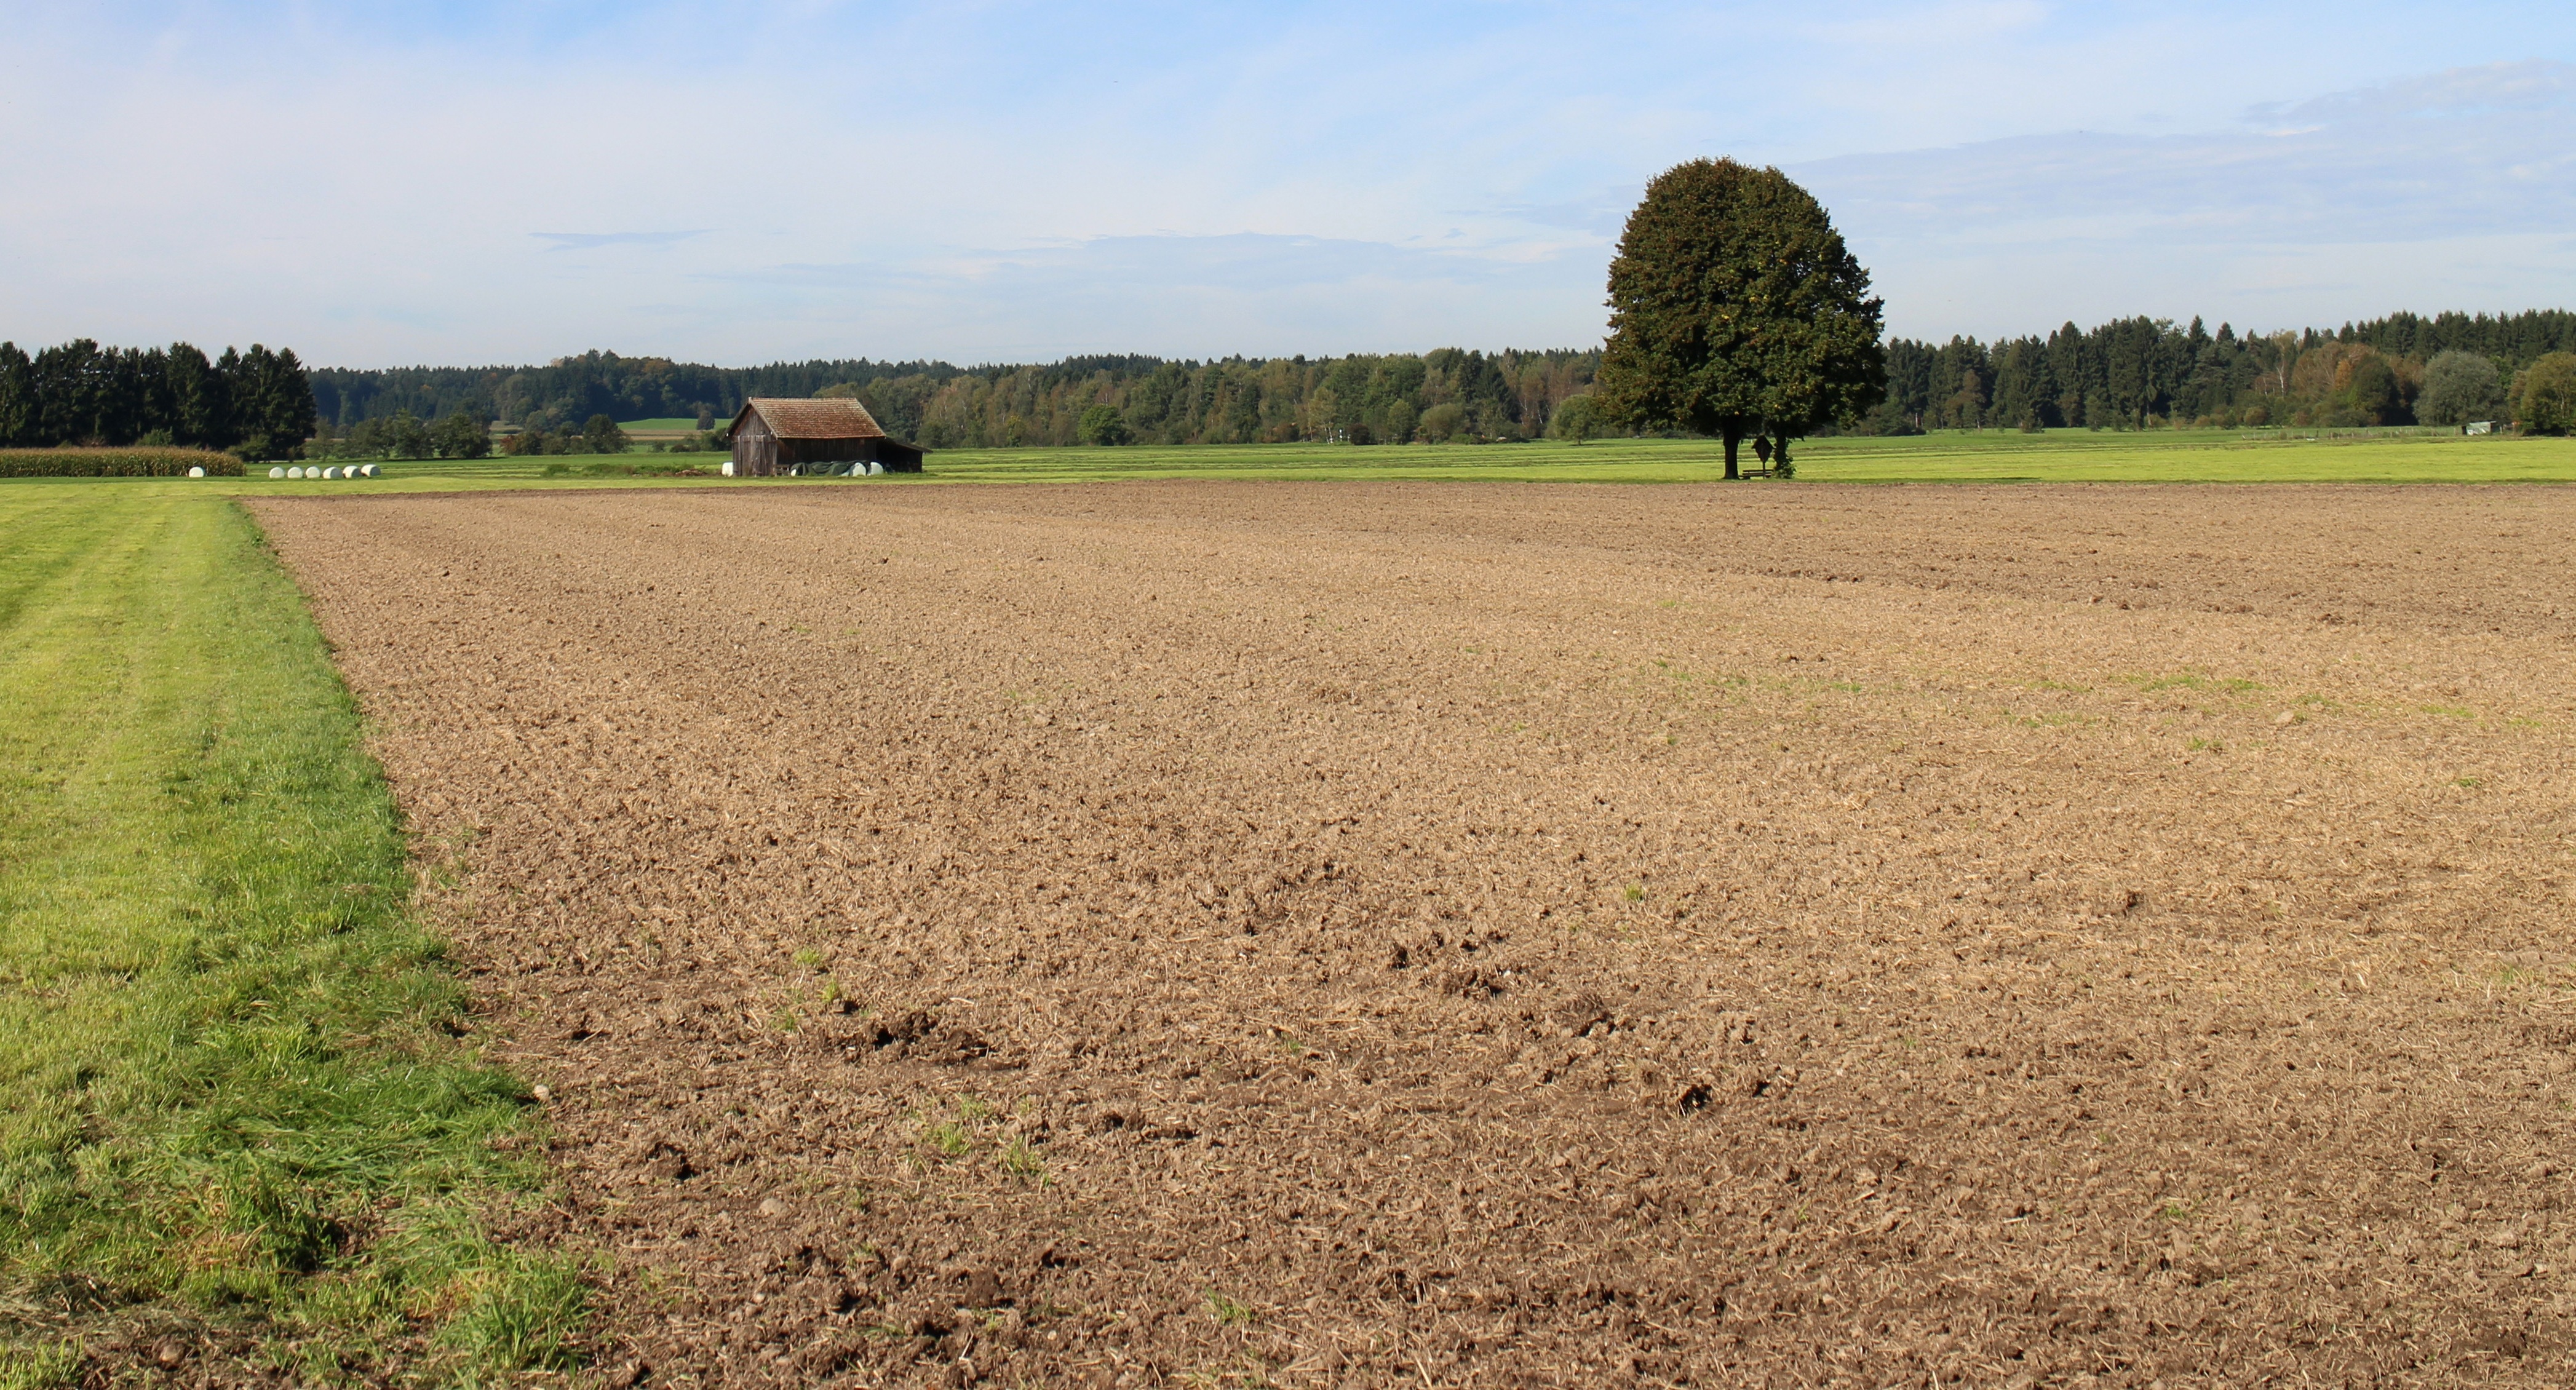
<point x="2493" y="89"/>
<point x="591" y="241"/>
<point x="395" y="183"/>
<point x="2410" y="191"/>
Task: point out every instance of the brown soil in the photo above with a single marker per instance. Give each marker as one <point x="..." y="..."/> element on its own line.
<point x="1498" y="935"/>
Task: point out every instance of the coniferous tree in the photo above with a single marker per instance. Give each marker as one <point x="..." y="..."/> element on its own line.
<point x="21" y="408"/>
<point x="201" y="401"/>
<point x="272" y="400"/>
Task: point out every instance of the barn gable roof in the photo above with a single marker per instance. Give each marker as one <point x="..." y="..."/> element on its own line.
<point x="838" y="418"/>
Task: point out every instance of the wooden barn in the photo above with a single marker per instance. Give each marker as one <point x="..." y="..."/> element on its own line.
<point x="772" y="437"/>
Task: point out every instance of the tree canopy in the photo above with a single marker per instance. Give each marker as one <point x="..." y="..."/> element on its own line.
<point x="2459" y="387"/>
<point x="2140" y="372"/>
<point x="1101" y="425"/>
<point x="1736" y="309"/>
<point x="258" y="403"/>
<point x="2545" y="397"/>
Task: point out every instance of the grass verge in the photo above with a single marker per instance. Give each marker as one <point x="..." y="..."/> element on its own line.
<point x="239" y="1117"/>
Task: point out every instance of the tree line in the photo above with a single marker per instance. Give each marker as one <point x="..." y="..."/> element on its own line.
<point x="566" y="393"/>
<point x="1445" y="394"/>
<point x="2128" y="374"/>
<point x="255" y="403"/>
<point x="2141" y="373"/>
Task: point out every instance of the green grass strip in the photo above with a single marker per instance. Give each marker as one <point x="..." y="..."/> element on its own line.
<point x="231" y="1094"/>
<point x="1949" y="456"/>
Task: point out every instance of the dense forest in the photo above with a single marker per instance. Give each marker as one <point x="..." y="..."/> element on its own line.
<point x="2140" y="373"/>
<point x="2130" y="374"/>
<point x="258" y="404"/>
<point x="1441" y="395"/>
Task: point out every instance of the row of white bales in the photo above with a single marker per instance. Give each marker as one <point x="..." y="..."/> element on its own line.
<point x="355" y="470"/>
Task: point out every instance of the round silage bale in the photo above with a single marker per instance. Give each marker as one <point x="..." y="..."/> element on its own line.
<point x="370" y="470"/>
<point x="196" y="470"/>
<point x="277" y="472"/>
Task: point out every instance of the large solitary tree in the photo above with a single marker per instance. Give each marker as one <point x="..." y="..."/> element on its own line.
<point x="1735" y="309"/>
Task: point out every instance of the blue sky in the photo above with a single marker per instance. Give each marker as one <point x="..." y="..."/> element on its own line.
<point x="743" y="182"/>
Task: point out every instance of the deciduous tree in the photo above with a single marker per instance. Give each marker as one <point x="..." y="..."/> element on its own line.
<point x="1101" y="425"/>
<point x="2460" y="387"/>
<point x="603" y="436"/>
<point x="406" y="437"/>
<point x="460" y="436"/>
<point x="2371" y="389"/>
<point x="1735" y="307"/>
<point x="2548" y="401"/>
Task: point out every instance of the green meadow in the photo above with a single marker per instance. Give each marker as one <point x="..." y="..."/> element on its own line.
<point x="239" y="1096"/>
<point x="2066" y="456"/>
<point x="663" y="424"/>
<point x="2058" y="456"/>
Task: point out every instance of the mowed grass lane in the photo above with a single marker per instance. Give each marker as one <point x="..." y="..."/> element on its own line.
<point x="231" y="1109"/>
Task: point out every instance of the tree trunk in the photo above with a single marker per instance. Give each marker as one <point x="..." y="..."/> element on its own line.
<point x="1732" y="437"/>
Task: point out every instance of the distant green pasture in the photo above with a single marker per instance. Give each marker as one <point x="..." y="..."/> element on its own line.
<point x="2058" y="456"/>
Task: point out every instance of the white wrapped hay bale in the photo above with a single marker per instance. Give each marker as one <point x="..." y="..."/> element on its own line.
<point x="277" y="472"/>
<point x="728" y="468"/>
<point x="371" y="470"/>
<point x="196" y="470"/>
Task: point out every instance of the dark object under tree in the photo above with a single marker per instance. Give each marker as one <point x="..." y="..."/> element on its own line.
<point x="1735" y="309"/>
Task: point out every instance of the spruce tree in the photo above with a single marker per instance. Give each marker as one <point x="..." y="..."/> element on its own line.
<point x="201" y="400"/>
<point x="22" y="411"/>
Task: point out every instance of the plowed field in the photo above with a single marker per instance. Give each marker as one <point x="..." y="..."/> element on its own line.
<point x="1398" y="934"/>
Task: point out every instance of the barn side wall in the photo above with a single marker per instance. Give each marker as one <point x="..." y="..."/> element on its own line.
<point x="755" y="449"/>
